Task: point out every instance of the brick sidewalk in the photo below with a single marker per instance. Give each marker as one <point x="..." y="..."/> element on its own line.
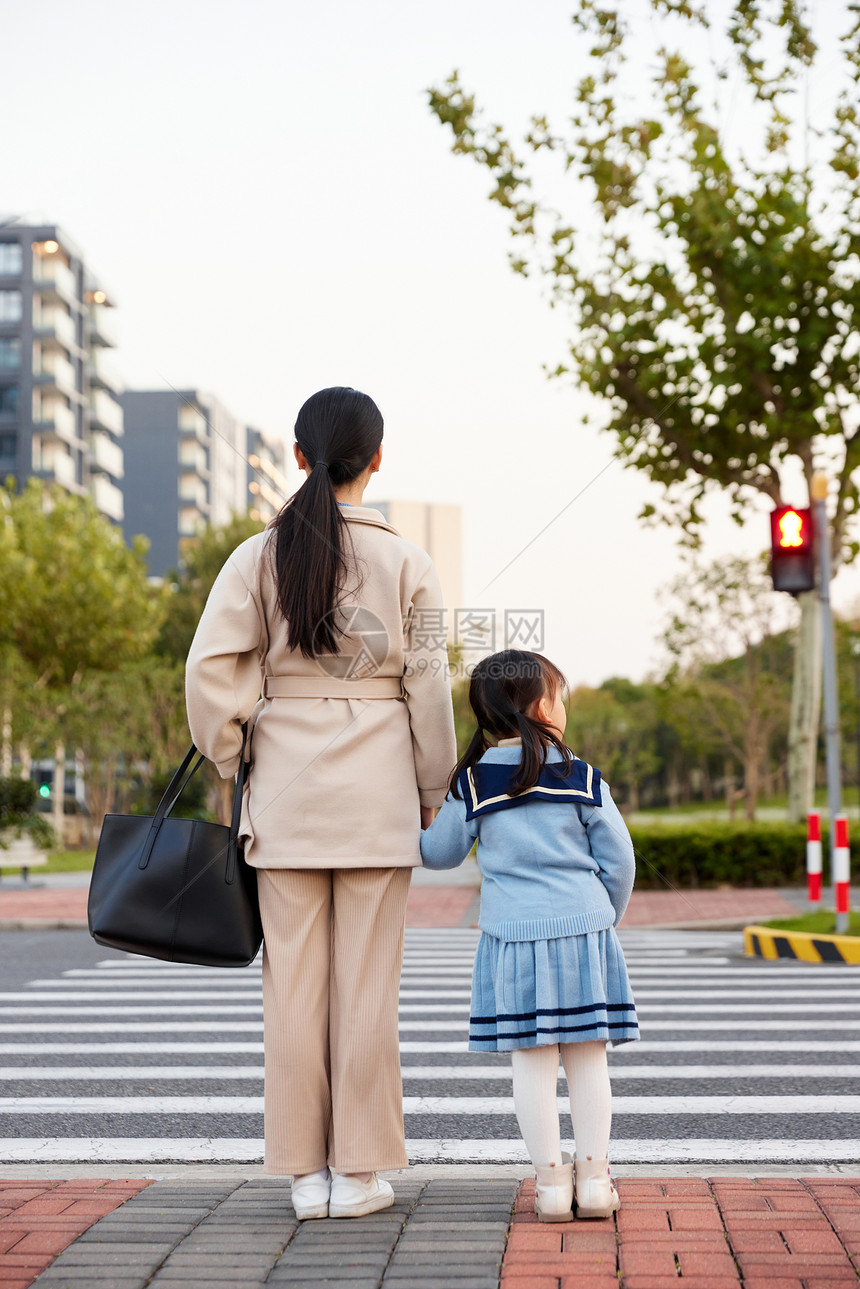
<point x="39" y="1219"/>
<point x="723" y="1233"/>
<point x="726" y="1233"/>
<point x="444" y="906"/>
<point x="666" y="908"/>
<point x="436" y="904"/>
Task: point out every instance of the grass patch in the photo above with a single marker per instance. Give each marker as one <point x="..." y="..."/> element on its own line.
<point x="59" y="861"/>
<point x="822" y="922"/>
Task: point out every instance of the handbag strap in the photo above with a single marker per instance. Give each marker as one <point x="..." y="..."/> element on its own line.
<point x="238" y="792"/>
<point x="174" y="791"/>
<point x="176" y="778"/>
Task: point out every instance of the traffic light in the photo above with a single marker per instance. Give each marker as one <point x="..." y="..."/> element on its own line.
<point x="792" y="556"/>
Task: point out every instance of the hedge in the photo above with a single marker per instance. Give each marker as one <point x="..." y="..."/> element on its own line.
<point x="711" y="854"/>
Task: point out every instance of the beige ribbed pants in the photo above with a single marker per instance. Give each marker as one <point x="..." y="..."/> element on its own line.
<point x="332" y="953"/>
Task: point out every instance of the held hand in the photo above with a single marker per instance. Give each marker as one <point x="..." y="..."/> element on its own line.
<point x="428" y="814"/>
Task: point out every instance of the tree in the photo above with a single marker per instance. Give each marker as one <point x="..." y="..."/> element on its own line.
<point x="720" y="636"/>
<point x="76" y="600"/>
<point x="615" y="726"/>
<point x="714" y="299"/>
<point x="202" y="560"/>
<point x="130" y="732"/>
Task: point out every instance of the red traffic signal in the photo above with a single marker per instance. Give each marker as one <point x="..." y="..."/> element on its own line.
<point x="792" y="554"/>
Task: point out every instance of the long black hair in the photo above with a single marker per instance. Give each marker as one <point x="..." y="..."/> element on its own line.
<point x="502" y="687"/>
<point x="338" y="431"/>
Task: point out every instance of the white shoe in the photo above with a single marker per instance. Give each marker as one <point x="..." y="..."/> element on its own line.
<point x="596" y="1195"/>
<point x="351" y="1197"/>
<point x="310" y="1195"/>
<point x="554" y="1191"/>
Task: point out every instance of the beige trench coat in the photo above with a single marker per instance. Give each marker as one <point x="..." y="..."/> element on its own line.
<point x="336" y="781"/>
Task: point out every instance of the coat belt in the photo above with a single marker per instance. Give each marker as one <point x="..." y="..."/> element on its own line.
<point x="332" y="687"/>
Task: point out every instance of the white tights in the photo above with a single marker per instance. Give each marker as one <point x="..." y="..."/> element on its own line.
<point x="535" y="1074"/>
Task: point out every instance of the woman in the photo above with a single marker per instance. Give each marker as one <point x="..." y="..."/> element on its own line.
<point x="353" y="742"/>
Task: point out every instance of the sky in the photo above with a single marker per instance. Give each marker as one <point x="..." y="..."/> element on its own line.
<point x="271" y="205"/>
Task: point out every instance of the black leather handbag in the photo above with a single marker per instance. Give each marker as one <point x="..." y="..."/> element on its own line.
<point x="177" y="889"/>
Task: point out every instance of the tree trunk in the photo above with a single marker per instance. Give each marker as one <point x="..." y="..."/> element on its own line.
<point x="26" y="760"/>
<point x="6" y="741"/>
<point x="805" y="709"/>
<point x="633" y="796"/>
<point x="751" y="773"/>
<point x="59" y="790"/>
<point x="674" y="788"/>
<point x="729" y="785"/>
<point x="99" y="778"/>
<point x="767" y="779"/>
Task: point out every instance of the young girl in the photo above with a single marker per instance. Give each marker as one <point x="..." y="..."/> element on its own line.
<point x="557" y="867"/>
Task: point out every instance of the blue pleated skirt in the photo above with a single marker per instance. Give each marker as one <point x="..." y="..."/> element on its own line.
<point x="527" y="993"/>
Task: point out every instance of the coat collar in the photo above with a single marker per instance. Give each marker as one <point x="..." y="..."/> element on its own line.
<point x="367" y="515"/>
<point x="484" y="786"/>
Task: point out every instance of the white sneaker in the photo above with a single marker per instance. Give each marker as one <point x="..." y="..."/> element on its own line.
<point x="353" y="1198"/>
<point x="310" y="1195"/>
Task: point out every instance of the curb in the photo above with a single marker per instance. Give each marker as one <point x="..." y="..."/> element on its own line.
<point x="766" y="942"/>
<point x="43" y="924"/>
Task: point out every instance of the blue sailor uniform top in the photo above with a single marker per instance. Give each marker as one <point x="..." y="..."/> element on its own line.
<point x="555" y="861"/>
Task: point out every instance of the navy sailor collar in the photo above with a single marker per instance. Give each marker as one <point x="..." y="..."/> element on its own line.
<point x="484" y="786"/>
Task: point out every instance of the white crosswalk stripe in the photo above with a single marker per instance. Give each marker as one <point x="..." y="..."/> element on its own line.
<point x="741" y="1061"/>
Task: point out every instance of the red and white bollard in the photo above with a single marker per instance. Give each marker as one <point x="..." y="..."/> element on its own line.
<point x="813" y="858"/>
<point x="841" y="873"/>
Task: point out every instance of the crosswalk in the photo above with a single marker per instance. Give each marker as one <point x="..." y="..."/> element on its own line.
<point x="742" y="1061"/>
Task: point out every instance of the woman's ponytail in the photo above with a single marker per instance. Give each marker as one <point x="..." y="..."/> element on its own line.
<point x="338" y="431"/>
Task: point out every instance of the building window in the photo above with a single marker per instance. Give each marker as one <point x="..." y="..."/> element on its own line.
<point x="8" y="445"/>
<point x="11" y="259"/>
<point x="10" y="306"/>
<point x="10" y="353"/>
<point x="8" y="399"/>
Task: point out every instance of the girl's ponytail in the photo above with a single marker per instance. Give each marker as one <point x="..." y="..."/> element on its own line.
<point x="473" y="753"/>
<point x="338" y="430"/>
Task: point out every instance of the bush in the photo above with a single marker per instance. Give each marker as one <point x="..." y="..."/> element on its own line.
<point x="18" y="814"/>
<point x="711" y="854"/>
<point x="18" y="798"/>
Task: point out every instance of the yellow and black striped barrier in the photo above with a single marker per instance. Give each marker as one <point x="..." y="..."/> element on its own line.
<point x="767" y="942"/>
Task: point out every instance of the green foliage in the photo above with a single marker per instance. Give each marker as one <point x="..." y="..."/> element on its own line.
<point x="714" y="306"/>
<point x="616" y="728"/>
<point x="19" y="816"/>
<point x="720" y="635"/>
<point x="714" y="854"/>
<point x="76" y="597"/>
<point x="18" y="799"/>
<point x="79" y="629"/>
<point x="202" y="560"/>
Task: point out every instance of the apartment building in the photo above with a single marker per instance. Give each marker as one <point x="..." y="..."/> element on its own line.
<point x="186" y="466"/>
<point x="268" y="488"/>
<point x="60" y="419"/>
<point x="439" y="529"/>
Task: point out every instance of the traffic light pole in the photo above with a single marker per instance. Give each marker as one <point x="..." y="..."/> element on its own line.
<point x="831" y="703"/>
